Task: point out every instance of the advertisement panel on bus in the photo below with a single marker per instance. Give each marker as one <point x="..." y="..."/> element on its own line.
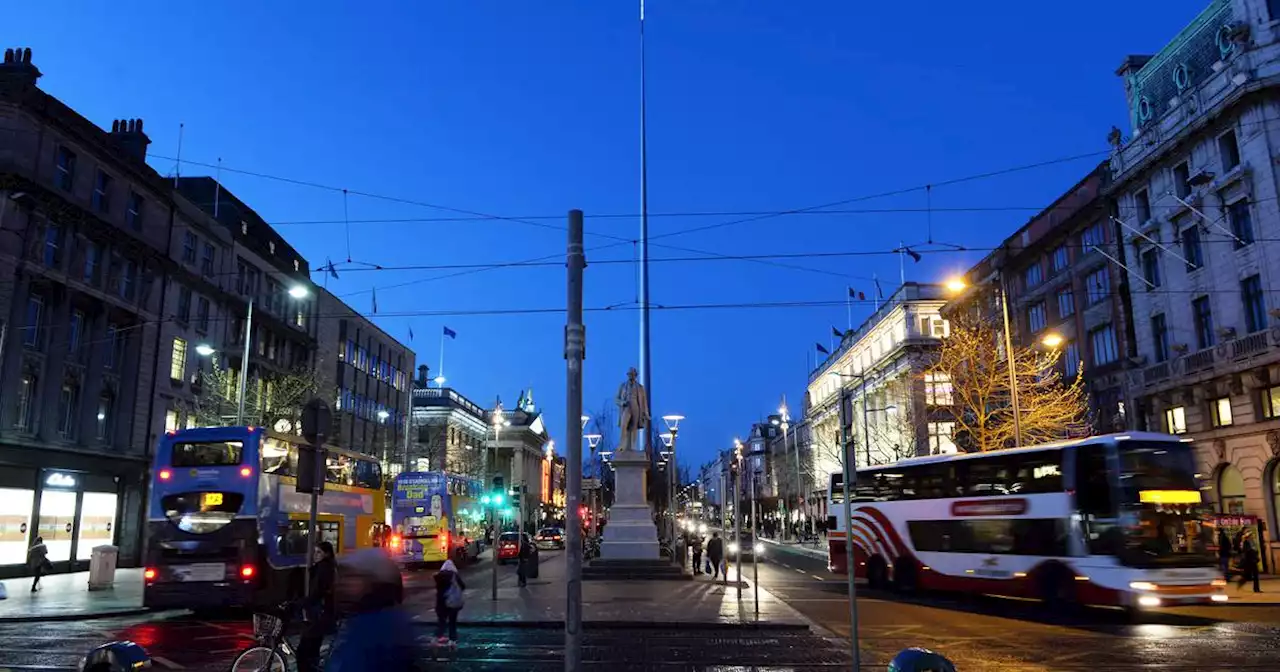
<point x="435" y="517"/>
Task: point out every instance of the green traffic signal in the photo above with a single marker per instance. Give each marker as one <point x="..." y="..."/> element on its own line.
<point x="485" y="500"/>
<point x="497" y="499"/>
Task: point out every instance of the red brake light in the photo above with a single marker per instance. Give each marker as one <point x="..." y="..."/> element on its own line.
<point x="165" y="474"/>
<point x="444" y="541"/>
<point x="149" y="574"/>
<point x="247" y="571"/>
<point x="246" y="472"/>
<point x="395" y="541"/>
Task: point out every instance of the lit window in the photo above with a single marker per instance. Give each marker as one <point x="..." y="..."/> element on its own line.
<point x="1175" y="420"/>
<point x="178" y="364"/>
<point x="171" y="421"/>
<point x="1271" y="402"/>
<point x="1220" y="412"/>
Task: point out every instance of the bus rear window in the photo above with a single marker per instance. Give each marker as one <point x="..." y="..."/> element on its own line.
<point x="211" y="454"/>
<point x="202" y="512"/>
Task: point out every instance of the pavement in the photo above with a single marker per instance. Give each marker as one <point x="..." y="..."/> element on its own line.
<point x="67" y="596"/>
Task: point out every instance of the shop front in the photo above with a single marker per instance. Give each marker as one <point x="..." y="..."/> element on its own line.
<point x="72" y="510"/>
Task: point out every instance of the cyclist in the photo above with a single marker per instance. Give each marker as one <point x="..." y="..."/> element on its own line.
<point x="376" y="634"/>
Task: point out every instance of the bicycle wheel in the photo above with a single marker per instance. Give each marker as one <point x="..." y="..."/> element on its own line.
<point x="258" y="659"/>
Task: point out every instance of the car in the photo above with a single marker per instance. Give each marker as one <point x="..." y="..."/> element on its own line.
<point x="550" y="537"/>
<point x="509" y="548"/>
<point x="750" y="547"/>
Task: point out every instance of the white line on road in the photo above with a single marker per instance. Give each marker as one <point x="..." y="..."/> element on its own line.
<point x="817" y="577"/>
<point x="167" y="663"/>
<point x="797" y="569"/>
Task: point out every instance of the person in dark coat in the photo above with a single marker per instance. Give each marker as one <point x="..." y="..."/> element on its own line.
<point x="524" y="557"/>
<point x="696" y="545"/>
<point x="320" y="608"/>
<point x="449" y="587"/>
<point x="1224" y="554"/>
<point x="1249" y="562"/>
<point x="715" y="551"/>
<point x="38" y="562"/>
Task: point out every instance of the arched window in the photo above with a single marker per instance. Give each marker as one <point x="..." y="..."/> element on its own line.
<point x="1274" y="491"/>
<point x="1230" y="490"/>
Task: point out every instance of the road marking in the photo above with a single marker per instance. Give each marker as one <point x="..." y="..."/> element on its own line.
<point x="168" y="663"/>
<point x="817" y="577"/>
<point x="798" y="570"/>
<point x="1069" y="656"/>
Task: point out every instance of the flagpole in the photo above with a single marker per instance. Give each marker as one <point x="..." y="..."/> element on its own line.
<point x="441" y="373"/>
<point x="645" y="365"/>
<point x="902" y="263"/>
<point x="848" y="306"/>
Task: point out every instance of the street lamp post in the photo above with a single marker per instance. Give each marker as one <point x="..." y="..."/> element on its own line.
<point x="737" y="518"/>
<point x="593" y="442"/>
<point x="498" y="421"/>
<point x="786" y="420"/>
<point x="673" y="425"/>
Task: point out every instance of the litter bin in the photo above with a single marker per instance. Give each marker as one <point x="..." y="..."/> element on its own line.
<point x="102" y="567"/>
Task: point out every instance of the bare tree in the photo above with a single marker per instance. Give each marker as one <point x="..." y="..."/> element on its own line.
<point x="890" y="433"/>
<point x="274" y="400"/>
<point x="980" y="390"/>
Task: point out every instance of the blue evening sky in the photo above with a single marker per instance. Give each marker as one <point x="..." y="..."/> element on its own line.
<point x="531" y="108"/>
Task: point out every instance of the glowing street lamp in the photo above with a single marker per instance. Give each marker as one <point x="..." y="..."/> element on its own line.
<point x="1051" y="340"/>
<point x="957" y="285"/>
<point x="205" y="350"/>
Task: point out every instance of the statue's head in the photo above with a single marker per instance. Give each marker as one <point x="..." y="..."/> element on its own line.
<point x="631" y="374"/>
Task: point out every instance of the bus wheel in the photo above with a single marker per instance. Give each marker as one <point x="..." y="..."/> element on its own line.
<point x="877" y="573"/>
<point x="1057" y="588"/>
<point x="905" y="576"/>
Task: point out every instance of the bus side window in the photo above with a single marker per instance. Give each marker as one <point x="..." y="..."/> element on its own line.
<point x="1096" y="501"/>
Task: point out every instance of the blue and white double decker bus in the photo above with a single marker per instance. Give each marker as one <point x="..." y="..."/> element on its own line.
<point x="226" y="526"/>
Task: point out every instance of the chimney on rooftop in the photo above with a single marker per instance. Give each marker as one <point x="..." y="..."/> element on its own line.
<point x="17" y="71"/>
<point x="1130" y="67"/>
<point x="422" y="377"/>
<point x="128" y="134"/>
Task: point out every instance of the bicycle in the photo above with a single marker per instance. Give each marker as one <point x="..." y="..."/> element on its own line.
<point x="273" y="652"/>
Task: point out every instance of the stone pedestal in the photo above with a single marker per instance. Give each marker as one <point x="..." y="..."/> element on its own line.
<point x="631" y="533"/>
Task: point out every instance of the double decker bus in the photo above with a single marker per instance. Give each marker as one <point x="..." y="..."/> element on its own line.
<point x="1111" y="520"/>
<point x="227" y="527"/>
<point x="435" y="516"/>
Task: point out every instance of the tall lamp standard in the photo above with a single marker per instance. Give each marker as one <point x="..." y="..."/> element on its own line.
<point x="737" y="517"/>
<point x="786" y="421"/>
<point x="498" y="421"/>
<point x="593" y="442"/>
<point x="673" y="426"/>
<point x="296" y="292"/>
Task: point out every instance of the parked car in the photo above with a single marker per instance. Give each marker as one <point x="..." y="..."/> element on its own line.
<point x="550" y="537"/>
<point x="509" y="547"/>
<point x="750" y="547"/>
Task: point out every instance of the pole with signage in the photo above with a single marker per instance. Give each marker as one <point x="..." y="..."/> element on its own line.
<point x="317" y="418"/>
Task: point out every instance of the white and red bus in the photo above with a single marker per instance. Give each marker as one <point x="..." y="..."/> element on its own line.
<point x="1111" y="520"/>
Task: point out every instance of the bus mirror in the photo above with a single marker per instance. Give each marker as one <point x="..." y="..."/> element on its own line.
<point x="311" y="465"/>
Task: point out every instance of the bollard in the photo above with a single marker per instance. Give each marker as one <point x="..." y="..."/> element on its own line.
<point x="116" y="657"/>
<point x="916" y="659"/>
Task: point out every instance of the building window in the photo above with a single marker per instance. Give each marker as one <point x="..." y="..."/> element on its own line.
<point x="1191" y="250"/>
<point x="1098" y="286"/>
<point x="1060" y="259"/>
<point x="102" y="192"/>
<point x="941" y="438"/>
<point x="171" y="421"/>
<point x="1160" y="337"/>
<point x="206" y="261"/>
<point x="1220" y="412"/>
<point x="1255" y="307"/>
<point x="1241" y="223"/>
<point x="1229" y="150"/>
<point x="128" y="278"/>
<point x="106" y="412"/>
<point x="178" y="362"/>
<point x="133" y="211"/>
<point x="1103" y="341"/>
<point x="52" y="244"/>
<point x="92" y="263"/>
<point x="1094" y="236"/>
<point x="35" y="314"/>
<point x="1182" y="179"/>
<point x="937" y="389"/>
<point x="1036" y="317"/>
<point x="1230" y="491"/>
<point x="75" y="334"/>
<point x="1142" y="206"/>
<point x="26" y="402"/>
<point x="111" y="344"/>
<point x="1071" y="360"/>
<point x="1175" y="420"/>
<point x="188" y="247"/>
<point x="202" y="314"/>
<point x="184" y="304"/>
<point x="1032" y="276"/>
<point x="1271" y="402"/>
<point x="1151" y="268"/>
<point x="66" y="168"/>
<point x="1203" y="322"/>
<point x="1066" y="302"/>
<point x="68" y="410"/>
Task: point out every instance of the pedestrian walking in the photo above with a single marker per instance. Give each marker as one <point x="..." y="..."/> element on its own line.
<point x="1224" y="554"/>
<point x="38" y="562"/>
<point x="1249" y="561"/>
<point x="449" y="601"/>
<point x="376" y="633"/>
<point x="319" y="608"/>
<point x="715" y="550"/>
<point x="524" y="557"/>
<point x="697" y="554"/>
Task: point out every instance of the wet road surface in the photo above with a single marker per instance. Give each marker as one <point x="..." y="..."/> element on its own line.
<point x="1007" y="635"/>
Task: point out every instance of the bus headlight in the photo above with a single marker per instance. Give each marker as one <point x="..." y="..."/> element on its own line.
<point x="759" y="548"/>
<point x="733" y="548"/>
<point x="1148" y="601"/>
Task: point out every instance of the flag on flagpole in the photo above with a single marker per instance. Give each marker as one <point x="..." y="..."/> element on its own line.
<point x="450" y="333"/>
<point x="837" y="333"/>
<point x="822" y="349"/>
<point x="411" y="333"/>
<point x="915" y="256"/>
<point x="879" y="292"/>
